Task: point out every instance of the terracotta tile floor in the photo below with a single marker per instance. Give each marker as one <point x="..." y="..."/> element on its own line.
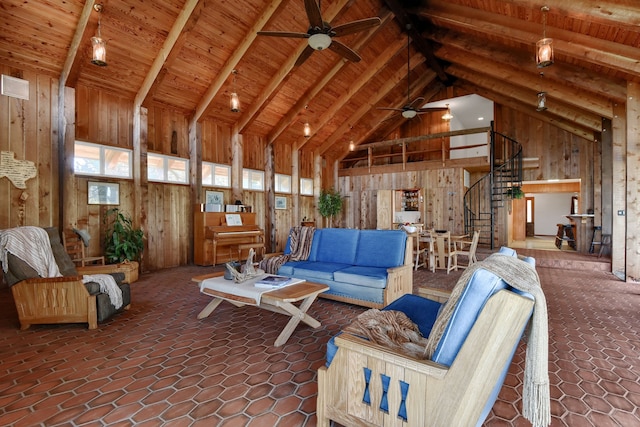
<point x="158" y="365"/>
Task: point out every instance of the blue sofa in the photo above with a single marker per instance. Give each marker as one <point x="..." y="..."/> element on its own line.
<point x="371" y="268"/>
<point x="480" y="289"/>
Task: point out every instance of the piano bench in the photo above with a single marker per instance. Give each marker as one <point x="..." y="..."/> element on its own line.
<point x="257" y="246"/>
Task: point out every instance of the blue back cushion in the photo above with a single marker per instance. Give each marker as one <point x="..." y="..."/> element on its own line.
<point x="335" y="245"/>
<point x="381" y="248"/>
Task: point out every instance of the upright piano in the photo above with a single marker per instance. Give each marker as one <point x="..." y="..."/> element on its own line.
<point x="216" y="242"/>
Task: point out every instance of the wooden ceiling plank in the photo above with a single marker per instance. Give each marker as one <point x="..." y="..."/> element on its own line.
<point x="584" y="48"/>
<point x="380" y="62"/>
<point x="289" y="118"/>
<point x="516" y="104"/>
<point x="554" y="105"/>
<point x="369" y="104"/>
<point x="232" y="62"/>
<point x="579" y="98"/>
<point x="171" y="46"/>
<point x="78" y="36"/>
<point x="275" y="81"/>
<point x="614" y="89"/>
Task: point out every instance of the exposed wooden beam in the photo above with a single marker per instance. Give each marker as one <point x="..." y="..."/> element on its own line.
<point x="80" y="34"/>
<point x="529" y="79"/>
<point x="578" y="77"/>
<point x="170" y="47"/>
<point x="233" y="60"/>
<point x="266" y="93"/>
<point x="363" y="79"/>
<point x="410" y="139"/>
<point x="410" y="25"/>
<point x="289" y="118"/>
<point x="584" y="48"/>
<point x="527" y="109"/>
<point x="554" y="105"/>
<point x="369" y="105"/>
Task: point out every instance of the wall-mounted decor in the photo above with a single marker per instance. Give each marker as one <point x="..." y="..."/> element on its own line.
<point x="18" y="171"/>
<point x="103" y="193"/>
<point x="214" y="197"/>
<point x="281" y="202"/>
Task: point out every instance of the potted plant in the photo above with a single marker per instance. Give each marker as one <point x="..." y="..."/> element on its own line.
<point x="122" y="241"/>
<point x="330" y="204"/>
<point x="515" y="192"/>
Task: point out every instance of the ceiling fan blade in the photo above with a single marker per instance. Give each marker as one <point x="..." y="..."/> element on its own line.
<point x="355" y="26"/>
<point x="431" y="109"/>
<point x="416" y="101"/>
<point x="283" y="34"/>
<point x="304" y="55"/>
<point x="390" y="109"/>
<point x="313" y="13"/>
<point x="345" y="51"/>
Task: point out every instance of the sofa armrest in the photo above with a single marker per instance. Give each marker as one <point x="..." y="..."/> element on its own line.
<point x="399" y="282"/>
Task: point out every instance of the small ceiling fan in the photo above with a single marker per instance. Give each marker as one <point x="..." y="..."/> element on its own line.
<point x="321" y="35"/>
<point x="411" y="109"/>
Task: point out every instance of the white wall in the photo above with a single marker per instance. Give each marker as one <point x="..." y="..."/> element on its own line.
<point x="550" y="209"/>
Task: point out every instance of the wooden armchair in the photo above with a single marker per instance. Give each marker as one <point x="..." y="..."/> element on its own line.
<point x="66" y="299"/>
<point x="75" y="247"/>
<point x="370" y="384"/>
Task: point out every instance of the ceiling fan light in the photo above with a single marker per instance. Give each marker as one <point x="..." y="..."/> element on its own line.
<point x="409" y="114"/>
<point x="319" y="41"/>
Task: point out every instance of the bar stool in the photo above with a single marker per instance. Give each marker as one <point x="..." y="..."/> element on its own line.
<point x="594" y="242"/>
<point x="605" y="243"/>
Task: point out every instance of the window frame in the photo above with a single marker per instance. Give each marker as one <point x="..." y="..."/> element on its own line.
<point x="277" y="184"/>
<point x="252" y="173"/>
<point x="166" y="169"/>
<point x="213" y="174"/>
<point x="102" y="160"/>
<point x="302" y="186"/>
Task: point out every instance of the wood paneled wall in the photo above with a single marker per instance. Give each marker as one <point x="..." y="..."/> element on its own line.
<point x="29" y="129"/>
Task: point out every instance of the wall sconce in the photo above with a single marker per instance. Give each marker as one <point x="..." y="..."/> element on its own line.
<point x="544" y="46"/>
<point x="98" y="44"/>
<point x="542" y="101"/>
<point x="447" y="116"/>
<point x="234" y="102"/>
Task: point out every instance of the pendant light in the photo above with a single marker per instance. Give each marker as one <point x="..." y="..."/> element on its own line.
<point x="98" y="44"/>
<point x="542" y="98"/>
<point x="234" y="102"/>
<point x="544" y="46"/>
<point x="306" y="131"/>
<point x="447" y="116"/>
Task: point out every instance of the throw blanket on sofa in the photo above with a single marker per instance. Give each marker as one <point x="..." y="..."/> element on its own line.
<point x="300" y="239"/>
<point x="391" y="329"/>
<point x="31" y="245"/>
<point x="108" y="285"/>
<point x="522" y="276"/>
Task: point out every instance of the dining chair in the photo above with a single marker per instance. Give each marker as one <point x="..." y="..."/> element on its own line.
<point x="445" y="251"/>
<point x="419" y="251"/>
<point x="469" y="252"/>
<point x="427" y="239"/>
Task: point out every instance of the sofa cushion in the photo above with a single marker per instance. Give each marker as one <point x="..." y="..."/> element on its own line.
<point x="374" y="277"/>
<point x="318" y="270"/>
<point x="335" y="245"/>
<point x="422" y="311"/>
<point x="381" y="248"/>
<point x="65" y="265"/>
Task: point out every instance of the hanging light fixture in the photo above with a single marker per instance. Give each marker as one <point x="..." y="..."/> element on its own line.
<point x="544" y="46"/>
<point x="352" y="145"/>
<point x="234" y="102"/>
<point x="306" y="131"/>
<point x="98" y="44"/>
<point x="447" y="116"/>
<point x="542" y="98"/>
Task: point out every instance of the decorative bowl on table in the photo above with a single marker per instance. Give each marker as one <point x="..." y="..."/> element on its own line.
<point x="410" y="228"/>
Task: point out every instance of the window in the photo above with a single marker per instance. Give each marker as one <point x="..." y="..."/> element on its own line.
<point x="167" y="169"/>
<point x="216" y="175"/>
<point x="102" y="160"/>
<point x="306" y="186"/>
<point x="283" y="183"/>
<point x="252" y="179"/>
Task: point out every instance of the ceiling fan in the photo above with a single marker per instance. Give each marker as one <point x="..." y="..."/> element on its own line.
<point x="321" y="35"/>
<point x="410" y="109"/>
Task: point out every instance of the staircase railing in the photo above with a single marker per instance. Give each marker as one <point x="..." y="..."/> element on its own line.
<point x="484" y="197"/>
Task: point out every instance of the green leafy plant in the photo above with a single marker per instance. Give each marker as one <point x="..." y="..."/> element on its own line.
<point x="330" y="204"/>
<point x="122" y="241"/>
<point x="515" y="192"/>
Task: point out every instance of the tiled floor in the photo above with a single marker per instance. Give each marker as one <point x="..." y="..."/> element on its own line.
<point x="158" y="365"/>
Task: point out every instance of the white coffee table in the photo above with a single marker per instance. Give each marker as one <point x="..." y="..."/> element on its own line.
<point x="278" y="301"/>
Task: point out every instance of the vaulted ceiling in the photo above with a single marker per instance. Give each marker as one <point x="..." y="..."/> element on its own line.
<point x="181" y="54"/>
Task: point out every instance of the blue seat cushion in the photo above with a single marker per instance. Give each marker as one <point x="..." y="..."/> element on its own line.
<point x="373" y="277"/>
<point x="335" y="245"/>
<point x="318" y="270"/>
<point x="381" y="248"/>
<point x="422" y="311"/>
